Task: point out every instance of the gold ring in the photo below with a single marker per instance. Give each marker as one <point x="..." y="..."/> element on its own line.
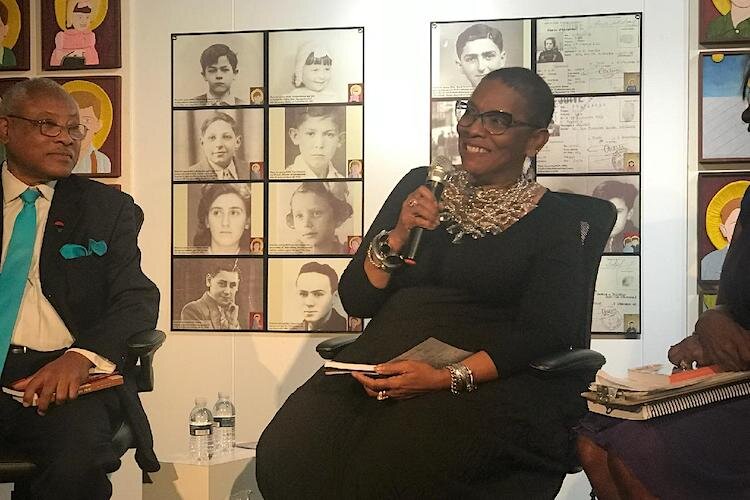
<point x="382" y="396"/>
<point x="412" y="202"/>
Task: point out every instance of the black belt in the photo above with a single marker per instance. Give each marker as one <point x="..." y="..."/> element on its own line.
<point x="19" y="349"/>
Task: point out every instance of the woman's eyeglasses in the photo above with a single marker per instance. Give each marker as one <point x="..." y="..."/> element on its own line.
<point x="495" y="122"/>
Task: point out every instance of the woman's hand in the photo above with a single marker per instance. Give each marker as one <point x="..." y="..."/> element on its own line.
<point x="419" y="209"/>
<point x="404" y="379"/>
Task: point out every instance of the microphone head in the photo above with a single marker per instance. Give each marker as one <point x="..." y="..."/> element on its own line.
<point x="441" y="169"/>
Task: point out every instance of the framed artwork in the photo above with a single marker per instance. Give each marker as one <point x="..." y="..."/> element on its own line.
<point x="591" y="54"/>
<point x="723" y="22"/>
<point x="81" y="34"/>
<point x="218" y="69"/>
<point x="722" y="134"/>
<point x="593" y="134"/>
<point x="463" y="52"/>
<point x="617" y="298"/>
<point x="5" y="84"/>
<point x="304" y="295"/>
<point x="316" y="66"/>
<point x="99" y="107"/>
<point x="719" y="197"/>
<point x="14" y="35"/>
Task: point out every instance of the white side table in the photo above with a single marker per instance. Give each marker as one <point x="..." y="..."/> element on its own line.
<point x="225" y="477"/>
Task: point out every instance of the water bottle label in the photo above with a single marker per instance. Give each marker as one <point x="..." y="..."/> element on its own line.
<point x="224" y="421"/>
<point x="201" y="429"/>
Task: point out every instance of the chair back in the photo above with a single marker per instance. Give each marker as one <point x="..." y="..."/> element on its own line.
<point x="597" y="218"/>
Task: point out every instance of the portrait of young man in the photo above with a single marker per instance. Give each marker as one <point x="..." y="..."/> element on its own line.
<point x="219" y="69"/>
<point x="479" y="49"/>
<point x="217" y="308"/>
<point x="73" y="292"/>
<point x="220" y="141"/>
<point x="316" y="285"/>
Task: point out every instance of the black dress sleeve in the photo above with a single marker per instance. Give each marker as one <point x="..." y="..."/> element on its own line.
<point x="358" y="296"/>
<point x="550" y="310"/>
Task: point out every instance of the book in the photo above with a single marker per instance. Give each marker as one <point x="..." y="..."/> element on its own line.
<point x="641" y="405"/>
<point x="433" y="351"/>
<point x="662" y="375"/>
<point x="670" y="405"/>
<point x="94" y="383"/>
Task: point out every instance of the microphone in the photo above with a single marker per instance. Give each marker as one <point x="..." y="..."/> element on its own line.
<point x="440" y="169"/>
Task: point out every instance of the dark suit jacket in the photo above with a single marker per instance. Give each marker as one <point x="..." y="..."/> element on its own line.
<point x="102" y="300"/>
<point x="202" y="171"/>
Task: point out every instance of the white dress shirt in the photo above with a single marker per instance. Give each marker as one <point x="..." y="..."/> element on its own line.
<point x="38" y="326"/>
<point x="300" y="165"/>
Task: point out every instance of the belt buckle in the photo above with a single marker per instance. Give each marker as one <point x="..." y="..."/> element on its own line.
<point x="18" y="349"/>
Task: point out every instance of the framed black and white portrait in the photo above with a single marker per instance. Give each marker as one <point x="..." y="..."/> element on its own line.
<point x="316" y="66"/>
<point x="220" y="69"/>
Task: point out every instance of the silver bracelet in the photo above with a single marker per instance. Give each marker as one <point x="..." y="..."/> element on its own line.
<point x="462" y="378"/>
<point x="381" y="255"/>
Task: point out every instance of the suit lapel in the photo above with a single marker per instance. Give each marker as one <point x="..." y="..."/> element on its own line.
<point x="64" y="213"/>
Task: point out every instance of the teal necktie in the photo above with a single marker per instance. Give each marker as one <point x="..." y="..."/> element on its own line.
<point x="16" y="269"/>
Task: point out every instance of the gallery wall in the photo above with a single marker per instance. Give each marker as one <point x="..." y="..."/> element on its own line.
<point x="260" y="369"/>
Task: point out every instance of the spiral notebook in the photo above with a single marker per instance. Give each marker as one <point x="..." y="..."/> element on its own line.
<point x="634" y="405"/>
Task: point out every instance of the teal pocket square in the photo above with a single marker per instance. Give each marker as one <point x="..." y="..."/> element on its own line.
<point x="73" y="251"/>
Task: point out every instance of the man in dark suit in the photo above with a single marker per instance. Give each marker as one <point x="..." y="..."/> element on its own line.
<point x="219" y="69"/>
<point x="83" y="295"/>
<point x="220" y="139"/>
<point x="316" y="285"/>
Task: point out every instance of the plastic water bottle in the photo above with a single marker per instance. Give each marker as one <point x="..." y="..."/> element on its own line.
<point x="201" y="431"/>
<point x="224" y="424"/>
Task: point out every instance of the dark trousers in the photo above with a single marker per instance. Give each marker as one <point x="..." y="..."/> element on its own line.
<point x="71" y="444"/>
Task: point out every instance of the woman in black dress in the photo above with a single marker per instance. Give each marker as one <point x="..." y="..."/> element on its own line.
<point x="497" y="274"/>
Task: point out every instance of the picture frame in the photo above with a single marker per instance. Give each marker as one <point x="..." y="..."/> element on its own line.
<point x="719" y="197"/>
<point x="716" y="25"/>
<point x="80" y="34"/>
<point x="722" y="135"/>
<point x="99" y="100"/>
<point x="14" y="35"/>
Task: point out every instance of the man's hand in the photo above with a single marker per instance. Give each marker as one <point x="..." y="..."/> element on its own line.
<point x="404" y="379"/>
<point x="724" y="341"/>
<point x="57" y="381"/>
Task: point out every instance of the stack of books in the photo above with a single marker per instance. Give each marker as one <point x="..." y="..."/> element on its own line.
<point x="651" y="391"/>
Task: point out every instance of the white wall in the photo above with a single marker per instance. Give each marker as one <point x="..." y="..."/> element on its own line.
<point x="261" y="370"/>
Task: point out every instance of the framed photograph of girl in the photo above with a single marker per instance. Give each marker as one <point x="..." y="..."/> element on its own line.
<point x="99" y="107"/>
<point x="316" y="66"/>
<point x="81" y="34"/>
<point x="14" y="35"/>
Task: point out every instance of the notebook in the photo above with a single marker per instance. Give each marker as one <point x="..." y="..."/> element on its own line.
<point x="631" y="405"/>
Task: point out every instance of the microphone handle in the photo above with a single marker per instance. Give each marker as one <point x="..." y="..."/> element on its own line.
<point x="415" y="237"/>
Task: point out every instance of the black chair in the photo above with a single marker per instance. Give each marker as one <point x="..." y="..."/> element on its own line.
<point x="597" y="218"/>
<point x="17" y="469"/>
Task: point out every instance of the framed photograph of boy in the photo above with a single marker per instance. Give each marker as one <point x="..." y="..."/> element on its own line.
<point x="303" y="295"/>
<point x="316" y="66"/>
<point x="81" y="34"/>
<point x="99" y="107"/>
<point x="722" y="133"/>
<point x="724" y="22"/>
<point x="218" y="218"/>
<point x="217" y="69"/>
<point x="218" y="144"/>
<point x="14" y="35"/>
<point x="217" y="294"/>
<point x="314" y="217"/>
<point x="719" y="197"/>
<point x="313" y="142"/>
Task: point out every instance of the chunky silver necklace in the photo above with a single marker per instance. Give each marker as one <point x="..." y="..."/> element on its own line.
<point x="480" y="210"/>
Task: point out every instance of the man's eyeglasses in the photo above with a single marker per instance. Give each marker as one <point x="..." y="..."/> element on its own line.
<point x="52" y="129"/>
<point x="495" y="122"/>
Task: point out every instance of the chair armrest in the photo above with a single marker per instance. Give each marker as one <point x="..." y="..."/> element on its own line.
<point x="331" y="347"/>
<point x="569" y="361"/>
<point x="141" y="349"/>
